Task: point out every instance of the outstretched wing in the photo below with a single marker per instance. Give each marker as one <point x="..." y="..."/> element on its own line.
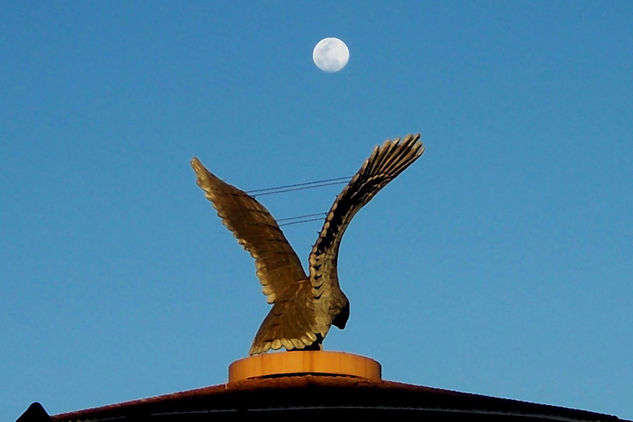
<point x="383" y="165"/>
<point x="256" y="230"/>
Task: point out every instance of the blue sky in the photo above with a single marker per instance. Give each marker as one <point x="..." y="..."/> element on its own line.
<point x="499" y="263"/>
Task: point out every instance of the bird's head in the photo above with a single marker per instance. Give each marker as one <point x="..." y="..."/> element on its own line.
<point x="340" y="319"/>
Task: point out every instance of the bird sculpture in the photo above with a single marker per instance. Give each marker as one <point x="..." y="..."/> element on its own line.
<point x="303" y="307"/>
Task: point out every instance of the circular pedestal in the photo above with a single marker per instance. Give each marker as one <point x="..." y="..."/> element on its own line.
<point x="304" y="362"/>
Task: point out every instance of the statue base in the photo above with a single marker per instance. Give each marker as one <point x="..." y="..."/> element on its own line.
<point x="302" y="363"/>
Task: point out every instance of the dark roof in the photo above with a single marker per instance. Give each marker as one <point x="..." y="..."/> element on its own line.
<point x="315" y="397"/>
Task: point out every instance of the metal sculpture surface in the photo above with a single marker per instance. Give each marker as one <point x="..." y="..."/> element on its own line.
<point x="304" y="307"/>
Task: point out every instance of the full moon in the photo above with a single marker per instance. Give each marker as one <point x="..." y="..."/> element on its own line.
<point x="330" y="54"/>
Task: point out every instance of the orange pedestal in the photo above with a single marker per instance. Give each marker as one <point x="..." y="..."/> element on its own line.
<point x="304" y="362"/>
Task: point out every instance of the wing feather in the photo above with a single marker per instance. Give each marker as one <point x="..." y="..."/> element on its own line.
<point x="290" y="323"/>
<point x="276" y="263"/>
<point x="383" y="165"/>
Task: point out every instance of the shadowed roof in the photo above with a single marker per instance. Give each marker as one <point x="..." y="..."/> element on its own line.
<point x="315" y="397"/>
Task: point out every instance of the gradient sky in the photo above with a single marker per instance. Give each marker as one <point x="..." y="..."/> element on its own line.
<point x="499" y="263"/>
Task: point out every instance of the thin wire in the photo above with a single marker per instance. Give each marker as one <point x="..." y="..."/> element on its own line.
<point x="298" y="186"/>
<point x="295" y="187"/>
<point x="300" y="221"/>
<point x="322" y="214"/>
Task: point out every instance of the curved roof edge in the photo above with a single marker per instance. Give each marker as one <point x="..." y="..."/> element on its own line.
<point x="314" y="397"/>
